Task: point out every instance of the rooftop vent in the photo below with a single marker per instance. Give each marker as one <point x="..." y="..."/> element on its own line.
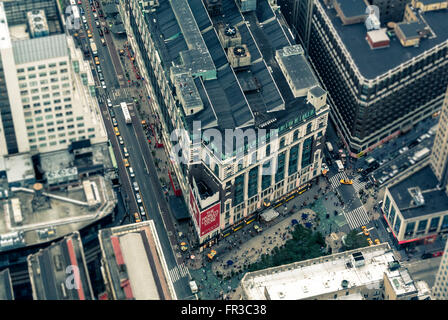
<point x="417" y="196"/>
<point x="230" y="31"/>
<point x="229" y="36"/>
<point x="394" y="265"/>
<point x="214" y="7"/>
<point x="373" y="19"/>
<point x="358" y="259"/>
<point x="239" y="57"/>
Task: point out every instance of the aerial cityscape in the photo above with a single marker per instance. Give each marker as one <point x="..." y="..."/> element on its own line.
<point x="223" y="150"/>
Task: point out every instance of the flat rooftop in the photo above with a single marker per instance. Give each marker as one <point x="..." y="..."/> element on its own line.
<point x="134" y="263"/>
<point x="6" y="291"/>
<point x="435" y="200"/>
<point x="55" y="214"/>
<point x="320" y="276"/>
<point x="373" y="63"/>
<point x="48" y="271"/>
<point x="401" y="281"/>
<point x="229" y="100"/>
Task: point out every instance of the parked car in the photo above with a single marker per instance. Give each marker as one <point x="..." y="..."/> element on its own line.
<point x="117" y="133"/>
<point x="137" y="217"/>
<point x="403" y="150"/>
<point x="120" y="139"/>
<point x="135" y="185"/>
<point x="142" y="211"/>
<point x="109" y="103"/>
<point x="112" y="113"/>
<point x="138" y="197"/>
<point x="103" y="84"/>
<point x="100" y="76"/>
<point x="103" y="42"/>
<point x="97" y="24"/>
<point x="114" y="122"/>
<point x="423" y="137"/>
<point x="131" y="172"/>
<point x="125" y="151"/>
<point x="101" y="32"/>
<point x="126" y="162"/>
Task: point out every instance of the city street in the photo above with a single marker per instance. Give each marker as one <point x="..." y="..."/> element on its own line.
<point x="140" y="157"/>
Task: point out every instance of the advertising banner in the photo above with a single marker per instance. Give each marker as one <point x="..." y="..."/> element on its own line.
<point x="210" y="219"/>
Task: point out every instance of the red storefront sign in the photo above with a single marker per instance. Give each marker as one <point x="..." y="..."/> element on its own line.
<point x="210" y="219"/>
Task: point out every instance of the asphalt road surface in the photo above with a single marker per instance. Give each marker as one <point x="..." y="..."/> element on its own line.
<point x="140" y="157"/>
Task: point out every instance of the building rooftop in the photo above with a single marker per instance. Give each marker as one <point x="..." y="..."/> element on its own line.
<point x="19" y="167"/>
<point x="231" y="98"/>
<point x="435" y="200"/>
<point x="319" y="276"/>
<point x="299" y="71"/>
<point x="352" y="8"/>
<point x="28" y="217"/>
<point x="373" y="63"/>
<point x="134" y="263"/>
<point x="50" y="278"/>
<point x="6" y="290"/>
<point x="402" y="282"/>
<point x="49" y="47"/>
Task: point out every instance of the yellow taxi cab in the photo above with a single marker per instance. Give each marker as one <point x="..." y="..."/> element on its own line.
<point x="97" y="61"/>
<point x="346" y="181"/>
<point x="126" y="162"/>
<point x="377" y="241"/>
<point x="117" y="133"/>
<point x="89" y="34"/>
<point x="137" y="217"/>
<point x="370" y="241"/>
<point x="366" y="232"/>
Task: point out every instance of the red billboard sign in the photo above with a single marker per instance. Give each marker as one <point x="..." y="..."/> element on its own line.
<point x="210" y="219"/>
<point x="194" y="207"/>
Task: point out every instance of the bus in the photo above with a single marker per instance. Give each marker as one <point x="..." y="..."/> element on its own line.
<point x="127" y="115"/>
<point x="112" y="156"/>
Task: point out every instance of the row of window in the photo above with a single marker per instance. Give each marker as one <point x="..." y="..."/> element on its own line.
<point x="41" y="67"/>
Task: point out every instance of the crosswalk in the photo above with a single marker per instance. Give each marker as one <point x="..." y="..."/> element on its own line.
<point x="335" y="181"/>
<point x="178" y="272"/>
<point x="357" y="218"/>
<point x="358" y="185"/>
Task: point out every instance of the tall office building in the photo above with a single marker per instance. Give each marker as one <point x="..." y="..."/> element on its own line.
<point x="51" y="89"/>
<point x="13" y="136"/>
<point x="382" y="77"/>
<point x="440" y="288"/>
<point x="229" y="71"/>
<point x="439" y="154"/>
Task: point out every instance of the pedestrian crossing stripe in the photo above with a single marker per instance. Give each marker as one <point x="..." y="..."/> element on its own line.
<point x="178" y="272"/>
<point x="335" y="181"/>
<point x="357" y="217"/>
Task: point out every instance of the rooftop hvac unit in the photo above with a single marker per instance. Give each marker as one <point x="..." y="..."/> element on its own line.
<point x="239" y="57"/>
<point x="214" y="7"/>
<point x="247" y="5"/>
<point x="229" y="36"/>
<point x="372" y="22"/>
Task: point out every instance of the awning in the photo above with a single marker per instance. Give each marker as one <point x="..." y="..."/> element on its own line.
<point x="269" y="215"/>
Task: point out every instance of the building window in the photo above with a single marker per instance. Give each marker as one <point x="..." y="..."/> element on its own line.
<point x="422" y="226"/>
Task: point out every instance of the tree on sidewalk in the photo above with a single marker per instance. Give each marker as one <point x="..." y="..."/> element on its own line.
<point x="354" y="240"/>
